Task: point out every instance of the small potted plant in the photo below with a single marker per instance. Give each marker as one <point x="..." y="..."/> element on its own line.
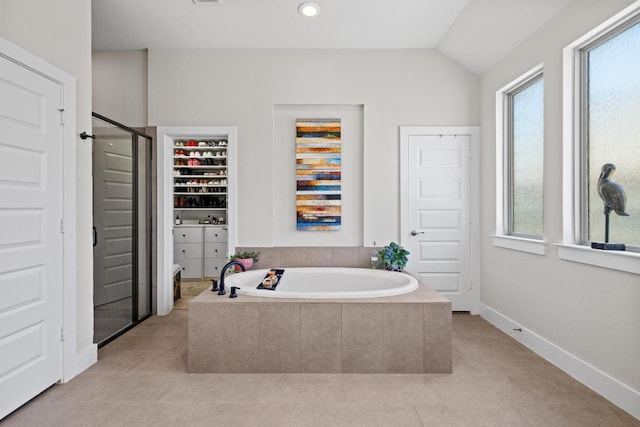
<point x="394" y="257"/>
<point x="245" y="258"/>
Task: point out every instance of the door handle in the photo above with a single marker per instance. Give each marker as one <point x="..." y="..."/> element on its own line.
<point x="95" y="236"/>
<point x="415" y="233"/>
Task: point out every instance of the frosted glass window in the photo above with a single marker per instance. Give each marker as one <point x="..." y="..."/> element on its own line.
<point x="526" y="160"/>
<point x="612" y="132"/>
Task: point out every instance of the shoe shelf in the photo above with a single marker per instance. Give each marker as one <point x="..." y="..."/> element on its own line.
<point x="200" y="174"/>
<point x="199" y="192"/>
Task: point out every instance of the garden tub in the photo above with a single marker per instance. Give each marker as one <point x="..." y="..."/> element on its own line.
<point x="325" y="283"/>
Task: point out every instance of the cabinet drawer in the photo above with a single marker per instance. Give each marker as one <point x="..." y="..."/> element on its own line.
<point x="187" y="251"/>
<point x="215" y="234"/>
<point x="212" y="266"/>
<point x="215" y="250"/>
<point x="187" y="235"/>
<point x="191" y="268"/>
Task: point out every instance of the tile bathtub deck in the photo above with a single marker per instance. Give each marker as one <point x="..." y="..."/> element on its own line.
<point x="408" y="333"/>
<point x="141" y="379"/>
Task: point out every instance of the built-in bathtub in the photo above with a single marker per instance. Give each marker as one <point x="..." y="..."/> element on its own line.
<point x="325" y="283"/>
<point x="406" y="332"/>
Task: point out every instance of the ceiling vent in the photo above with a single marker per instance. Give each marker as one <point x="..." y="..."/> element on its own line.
<point x="201" y="2"/>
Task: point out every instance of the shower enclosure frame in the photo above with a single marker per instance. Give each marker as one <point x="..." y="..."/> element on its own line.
<point x="135" y="299"/>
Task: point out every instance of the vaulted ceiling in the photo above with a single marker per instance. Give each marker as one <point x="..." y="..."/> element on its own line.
<point x="474" y="33"/>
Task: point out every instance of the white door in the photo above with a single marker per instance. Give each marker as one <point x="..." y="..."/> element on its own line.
<point x="112" y="216"/>
<point x="438" y="213"/>
<point x="31" y="241"/>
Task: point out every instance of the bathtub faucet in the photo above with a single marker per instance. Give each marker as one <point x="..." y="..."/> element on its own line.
<point x="228" y="265"/>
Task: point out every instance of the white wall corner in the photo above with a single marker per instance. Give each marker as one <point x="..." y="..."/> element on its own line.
<point x="610" y="388"/>
<point x="78" y="362"/>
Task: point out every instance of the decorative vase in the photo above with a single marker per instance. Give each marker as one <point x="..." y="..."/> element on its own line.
<point x="247" y="262"/>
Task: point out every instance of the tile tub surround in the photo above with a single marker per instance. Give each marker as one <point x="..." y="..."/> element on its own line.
<point x="408" y="333"/>
<point x="320" y="256"/>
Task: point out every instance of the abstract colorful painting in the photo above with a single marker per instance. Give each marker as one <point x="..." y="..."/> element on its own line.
<point x="318" y="174"/>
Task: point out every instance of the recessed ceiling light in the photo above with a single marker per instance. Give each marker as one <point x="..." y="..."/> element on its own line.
<point x="309" y="9"/>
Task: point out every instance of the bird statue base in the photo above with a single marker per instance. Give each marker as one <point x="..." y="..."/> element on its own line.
<point x="608" y="246"/>
<point x="615" y="200"/>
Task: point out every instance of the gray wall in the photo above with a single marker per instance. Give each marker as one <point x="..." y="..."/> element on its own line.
<point x="241" y="87"/>
<point x="120" y="86"/>
<point x="588" y="311"/>
<point x="60" y="33"/>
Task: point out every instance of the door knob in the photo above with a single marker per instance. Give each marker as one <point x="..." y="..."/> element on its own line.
<point x="415" y="233"/>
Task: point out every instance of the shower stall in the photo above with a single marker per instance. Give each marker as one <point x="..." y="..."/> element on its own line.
<point x="122" y="227"/>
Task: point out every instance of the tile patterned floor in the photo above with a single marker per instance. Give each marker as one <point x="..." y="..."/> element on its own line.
<point x="141" y="380"/>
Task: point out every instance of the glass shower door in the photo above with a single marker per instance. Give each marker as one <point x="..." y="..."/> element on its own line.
<point x="121" y="228"/>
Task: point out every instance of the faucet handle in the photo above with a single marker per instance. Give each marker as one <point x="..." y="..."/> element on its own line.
<point x="233" y="292"/>
<point x="214" y="285"/>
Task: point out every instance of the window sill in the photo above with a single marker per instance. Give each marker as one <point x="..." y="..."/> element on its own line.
<point x="615" y="260"/>
<point x="532" y="246"/>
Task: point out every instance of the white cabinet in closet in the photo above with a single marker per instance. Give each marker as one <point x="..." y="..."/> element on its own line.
<point x="215" y="250"/>
<point x="201" y="250"/>
<point x="187" y="251"/>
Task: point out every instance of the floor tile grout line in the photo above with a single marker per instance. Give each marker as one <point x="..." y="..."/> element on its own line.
<point x="476" y="333"/>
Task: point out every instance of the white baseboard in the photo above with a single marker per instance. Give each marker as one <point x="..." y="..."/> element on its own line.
<point x="80" y="362"/>
<point x="610" y="388"/>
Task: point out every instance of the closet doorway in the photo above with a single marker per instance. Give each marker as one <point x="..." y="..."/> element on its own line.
<point x="122" y="225"/>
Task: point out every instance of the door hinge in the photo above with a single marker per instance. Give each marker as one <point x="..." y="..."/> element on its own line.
<point x="61" y="110"/>
<point x="61" y="333"/>
<point x="62" y="226"/>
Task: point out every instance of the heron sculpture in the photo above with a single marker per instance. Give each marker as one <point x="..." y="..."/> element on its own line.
<point x="614" y="198"/>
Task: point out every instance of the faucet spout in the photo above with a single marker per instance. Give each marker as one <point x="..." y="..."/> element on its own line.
<point x="228" y="265"/>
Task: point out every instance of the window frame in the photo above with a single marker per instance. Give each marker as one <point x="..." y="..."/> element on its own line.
<point x="505" y="237"/>
<point x="574" y="246"/>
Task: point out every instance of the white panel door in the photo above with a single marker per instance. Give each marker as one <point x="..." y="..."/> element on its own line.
<point x="31" y="244"/>
<point x="438" y="208"/>
<point x="112" y="216"/>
